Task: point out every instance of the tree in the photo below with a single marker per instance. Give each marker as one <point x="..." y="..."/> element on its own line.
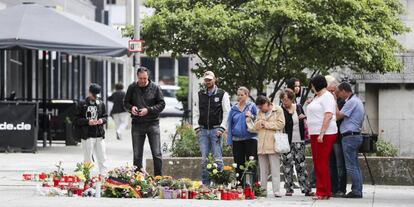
<point x="256" y="42"/>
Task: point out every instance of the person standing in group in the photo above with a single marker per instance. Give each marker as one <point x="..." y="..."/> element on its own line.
<point x="118" y="112"/>
<point x="337" y="160"/>
<point x="210" y="117"/>
<point x="90" y="118"/>
<point x="352" y="114"/>
<point x="145" y="101"/>
<point x="295" y="128"/>
<point x="243" y="142"/>
<point x="294" y="85"/>
<point x="321" y="119"/>
<point x="269" y="120"/>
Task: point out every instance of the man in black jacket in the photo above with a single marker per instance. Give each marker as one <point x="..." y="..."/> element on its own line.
<point x="145" y="101"/>
<point x="211" y="111"/>
<point x="118" y="112"/>
<point x="90" y="117"/>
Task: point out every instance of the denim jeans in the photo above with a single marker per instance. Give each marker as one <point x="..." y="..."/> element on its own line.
<point x="210" y="143"/>
<point x="337" y="167"/>
<point x="139" y="133"/>
<point x="350" y="145"/>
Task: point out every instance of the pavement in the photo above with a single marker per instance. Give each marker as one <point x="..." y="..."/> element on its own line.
<point x="15" y="192"/>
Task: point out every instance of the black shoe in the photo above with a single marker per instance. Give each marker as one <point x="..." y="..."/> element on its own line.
<point x="118" y="137"/>
<point x="352" y="195"/>
<point x="338" y="194"/>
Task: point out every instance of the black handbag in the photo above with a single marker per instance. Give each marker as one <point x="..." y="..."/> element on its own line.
<point x="369" y="141"/>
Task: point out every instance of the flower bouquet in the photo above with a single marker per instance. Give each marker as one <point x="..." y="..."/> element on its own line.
<point x="124" y="182"/>
<point x="58" y="174"/>
<point x="218" y="176"/>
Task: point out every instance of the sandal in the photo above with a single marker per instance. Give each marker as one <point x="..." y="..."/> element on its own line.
<point x="309" y="194"/>
<point x="288" y="193"/>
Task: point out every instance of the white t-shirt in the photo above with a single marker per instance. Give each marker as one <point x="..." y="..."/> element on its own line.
<point x="315" y="113"/>
<point x="296" y="129"/>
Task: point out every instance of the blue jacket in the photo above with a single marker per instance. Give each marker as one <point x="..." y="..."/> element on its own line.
<point x="237" y="123"/>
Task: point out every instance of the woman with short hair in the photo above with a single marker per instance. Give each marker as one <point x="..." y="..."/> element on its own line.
<point x="270" y="119"/>
<point x="295" y="158"/>
<point x="321" y="119"/>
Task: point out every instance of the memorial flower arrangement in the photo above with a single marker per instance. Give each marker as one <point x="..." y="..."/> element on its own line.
<point x="224" y="176"/>
<point x="83" y="171"/>
<point x="125" y="182"/>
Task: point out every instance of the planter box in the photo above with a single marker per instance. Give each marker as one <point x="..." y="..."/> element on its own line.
<point x="386" y="171"/>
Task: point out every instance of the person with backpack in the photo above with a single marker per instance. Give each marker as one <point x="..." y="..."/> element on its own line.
<point x="89" y="121"/>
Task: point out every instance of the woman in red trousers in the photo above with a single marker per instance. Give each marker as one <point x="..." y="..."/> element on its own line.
<point x="322" y="130"/>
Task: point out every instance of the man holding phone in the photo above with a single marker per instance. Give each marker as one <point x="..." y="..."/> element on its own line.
<point x="145" y="101"/>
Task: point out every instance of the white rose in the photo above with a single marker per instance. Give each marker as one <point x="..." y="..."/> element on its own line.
<point x="171" y="162"/>
<point x="234" y="165"/>
<point x="251" y="158"/>
<point x="215" y="165"/>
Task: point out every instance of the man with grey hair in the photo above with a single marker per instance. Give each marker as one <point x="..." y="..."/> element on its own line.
<point x="337" y="161"/>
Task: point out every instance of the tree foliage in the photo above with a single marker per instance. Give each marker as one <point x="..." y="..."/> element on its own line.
<point x="256" y="42"/>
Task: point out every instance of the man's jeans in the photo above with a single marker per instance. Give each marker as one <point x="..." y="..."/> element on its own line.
<point x="351" y="146"/>
<point x="139" y="132"/>
<point x="337" y="167"/>
<point x="210" y="143"/>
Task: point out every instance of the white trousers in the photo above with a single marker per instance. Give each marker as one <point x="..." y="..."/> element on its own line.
<point x="121" y="122"/>
<point x="96" y="147"/>
<point x="272" y="161"/>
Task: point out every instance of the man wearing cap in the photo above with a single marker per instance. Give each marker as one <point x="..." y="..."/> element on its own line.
<point x="210" y="114"/>
<point x="90" y="117"/>
<point x="145" y="101"/>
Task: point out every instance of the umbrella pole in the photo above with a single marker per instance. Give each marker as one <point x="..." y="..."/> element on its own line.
<point x="44" y="88"/>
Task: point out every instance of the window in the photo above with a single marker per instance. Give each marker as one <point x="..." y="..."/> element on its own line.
<point x="166" y="69"/>
<point x="150" y="64"/>
<point x="183" y="65"/>
<point x="111" y="1"/>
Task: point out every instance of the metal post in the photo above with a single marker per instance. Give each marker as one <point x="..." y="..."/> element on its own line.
<point x="137" y="26"/>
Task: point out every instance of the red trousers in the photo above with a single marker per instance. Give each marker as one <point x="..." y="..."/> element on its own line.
<point x="320" y="156"/>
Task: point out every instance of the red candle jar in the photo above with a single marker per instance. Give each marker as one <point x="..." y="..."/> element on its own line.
<point x="224" y="195"/>
<point x="247" y="192"/>
<point x="56" y="182"/>
<point x="42" y="176"/>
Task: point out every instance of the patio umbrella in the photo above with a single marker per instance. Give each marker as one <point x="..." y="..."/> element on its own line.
<point x="32" y="26"/>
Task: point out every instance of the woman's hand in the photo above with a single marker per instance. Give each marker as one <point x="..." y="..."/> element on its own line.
<point x="249" y="114"/>
<point x="320" y="138"/>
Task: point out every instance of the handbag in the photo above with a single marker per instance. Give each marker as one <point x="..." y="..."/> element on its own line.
<point x="281" y="142"/>
<point x="369" y="141"/>
<point x="250" y="123"/>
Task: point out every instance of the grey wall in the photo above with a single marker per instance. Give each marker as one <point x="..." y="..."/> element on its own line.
<point x="396" y="118"/>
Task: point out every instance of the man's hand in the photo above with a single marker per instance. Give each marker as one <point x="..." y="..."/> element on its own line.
<point x="143" y="112"/>
<point x="92" y="122"/>
<point x="302" y="116"/>
<point x="134" y="111"/>
<point x="219" y="133"/>
<point x="99" y="122"/>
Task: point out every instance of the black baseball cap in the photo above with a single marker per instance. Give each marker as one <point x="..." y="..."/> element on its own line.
<point x="95" y="89"/>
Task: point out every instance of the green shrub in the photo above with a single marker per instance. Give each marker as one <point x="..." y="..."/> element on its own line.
<point x="386" y="149"/>
<point x="186" y="144"/>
